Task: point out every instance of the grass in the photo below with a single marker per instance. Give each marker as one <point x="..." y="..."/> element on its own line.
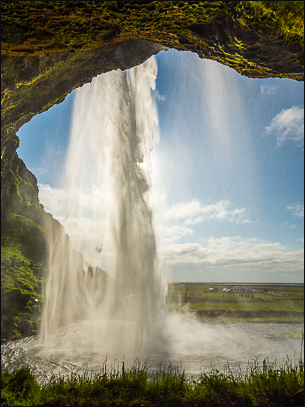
<point x="273" y="303"/>
<point x="268" y="385"/>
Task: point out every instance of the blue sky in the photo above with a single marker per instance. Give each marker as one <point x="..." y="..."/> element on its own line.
<point x="227" y="172"/>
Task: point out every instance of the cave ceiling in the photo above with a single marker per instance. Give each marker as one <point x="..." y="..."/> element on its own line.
<point x="50" y="48"/>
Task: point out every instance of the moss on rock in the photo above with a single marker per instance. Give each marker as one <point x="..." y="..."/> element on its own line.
<point x="23" y="265"/>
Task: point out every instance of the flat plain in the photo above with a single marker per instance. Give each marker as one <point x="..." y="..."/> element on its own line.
<point x="234" y="302"/>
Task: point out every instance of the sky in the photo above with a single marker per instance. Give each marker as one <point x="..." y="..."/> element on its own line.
<point x="228" y="171"/>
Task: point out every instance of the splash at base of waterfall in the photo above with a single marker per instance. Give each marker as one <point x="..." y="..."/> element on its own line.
<point x="195" y="347"/>
<point x="98" y="337"/>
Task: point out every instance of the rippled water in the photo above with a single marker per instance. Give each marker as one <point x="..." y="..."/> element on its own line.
<point x="193" y="346"/>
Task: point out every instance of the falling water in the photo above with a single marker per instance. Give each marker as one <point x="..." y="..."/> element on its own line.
<point x="109" y="152"/>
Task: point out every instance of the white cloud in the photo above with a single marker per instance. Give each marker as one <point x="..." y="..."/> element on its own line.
<point x="195" y="212"/>
<point x="173" y="233"/>
<point x="288" y="125"/>
<point x="267" y="89"/>
<point x="176" y="222"/>
<point x="38" y="170"/>
<point x="54" y="200"/>
<point x="160" y="98"/>
<point x="60" y="203"/>
<point x="293" y="226"/>
<point x="301" y="239"/>
<point x="297" y="209"/>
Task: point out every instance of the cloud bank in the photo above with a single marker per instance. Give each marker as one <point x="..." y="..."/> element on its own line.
<point x="233" y="259"/>
<point x="228" y="258"/>
<point x="178" y="221"/>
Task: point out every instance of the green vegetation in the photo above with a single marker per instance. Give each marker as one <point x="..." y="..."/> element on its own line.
<point x="283" y="18"/>
<point x="38" y="27"/>
<point x="273" y="304"/>
<point x="268" y="385"/>
<point x="23" y="251"/>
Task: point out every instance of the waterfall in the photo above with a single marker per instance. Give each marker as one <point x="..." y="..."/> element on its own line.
<point x="107" y="181"/>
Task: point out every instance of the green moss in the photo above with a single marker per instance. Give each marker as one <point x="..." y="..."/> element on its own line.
<point x="22" y="232"/>
<point x="33" y="28"/>
<point x="20" y="194"/>
<point x="23" y="257"/>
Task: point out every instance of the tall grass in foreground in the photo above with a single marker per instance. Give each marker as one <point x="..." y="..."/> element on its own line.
<point x="267" y="385"/>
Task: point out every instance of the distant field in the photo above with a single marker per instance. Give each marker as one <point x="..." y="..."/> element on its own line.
<point x="244" y="302"/>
